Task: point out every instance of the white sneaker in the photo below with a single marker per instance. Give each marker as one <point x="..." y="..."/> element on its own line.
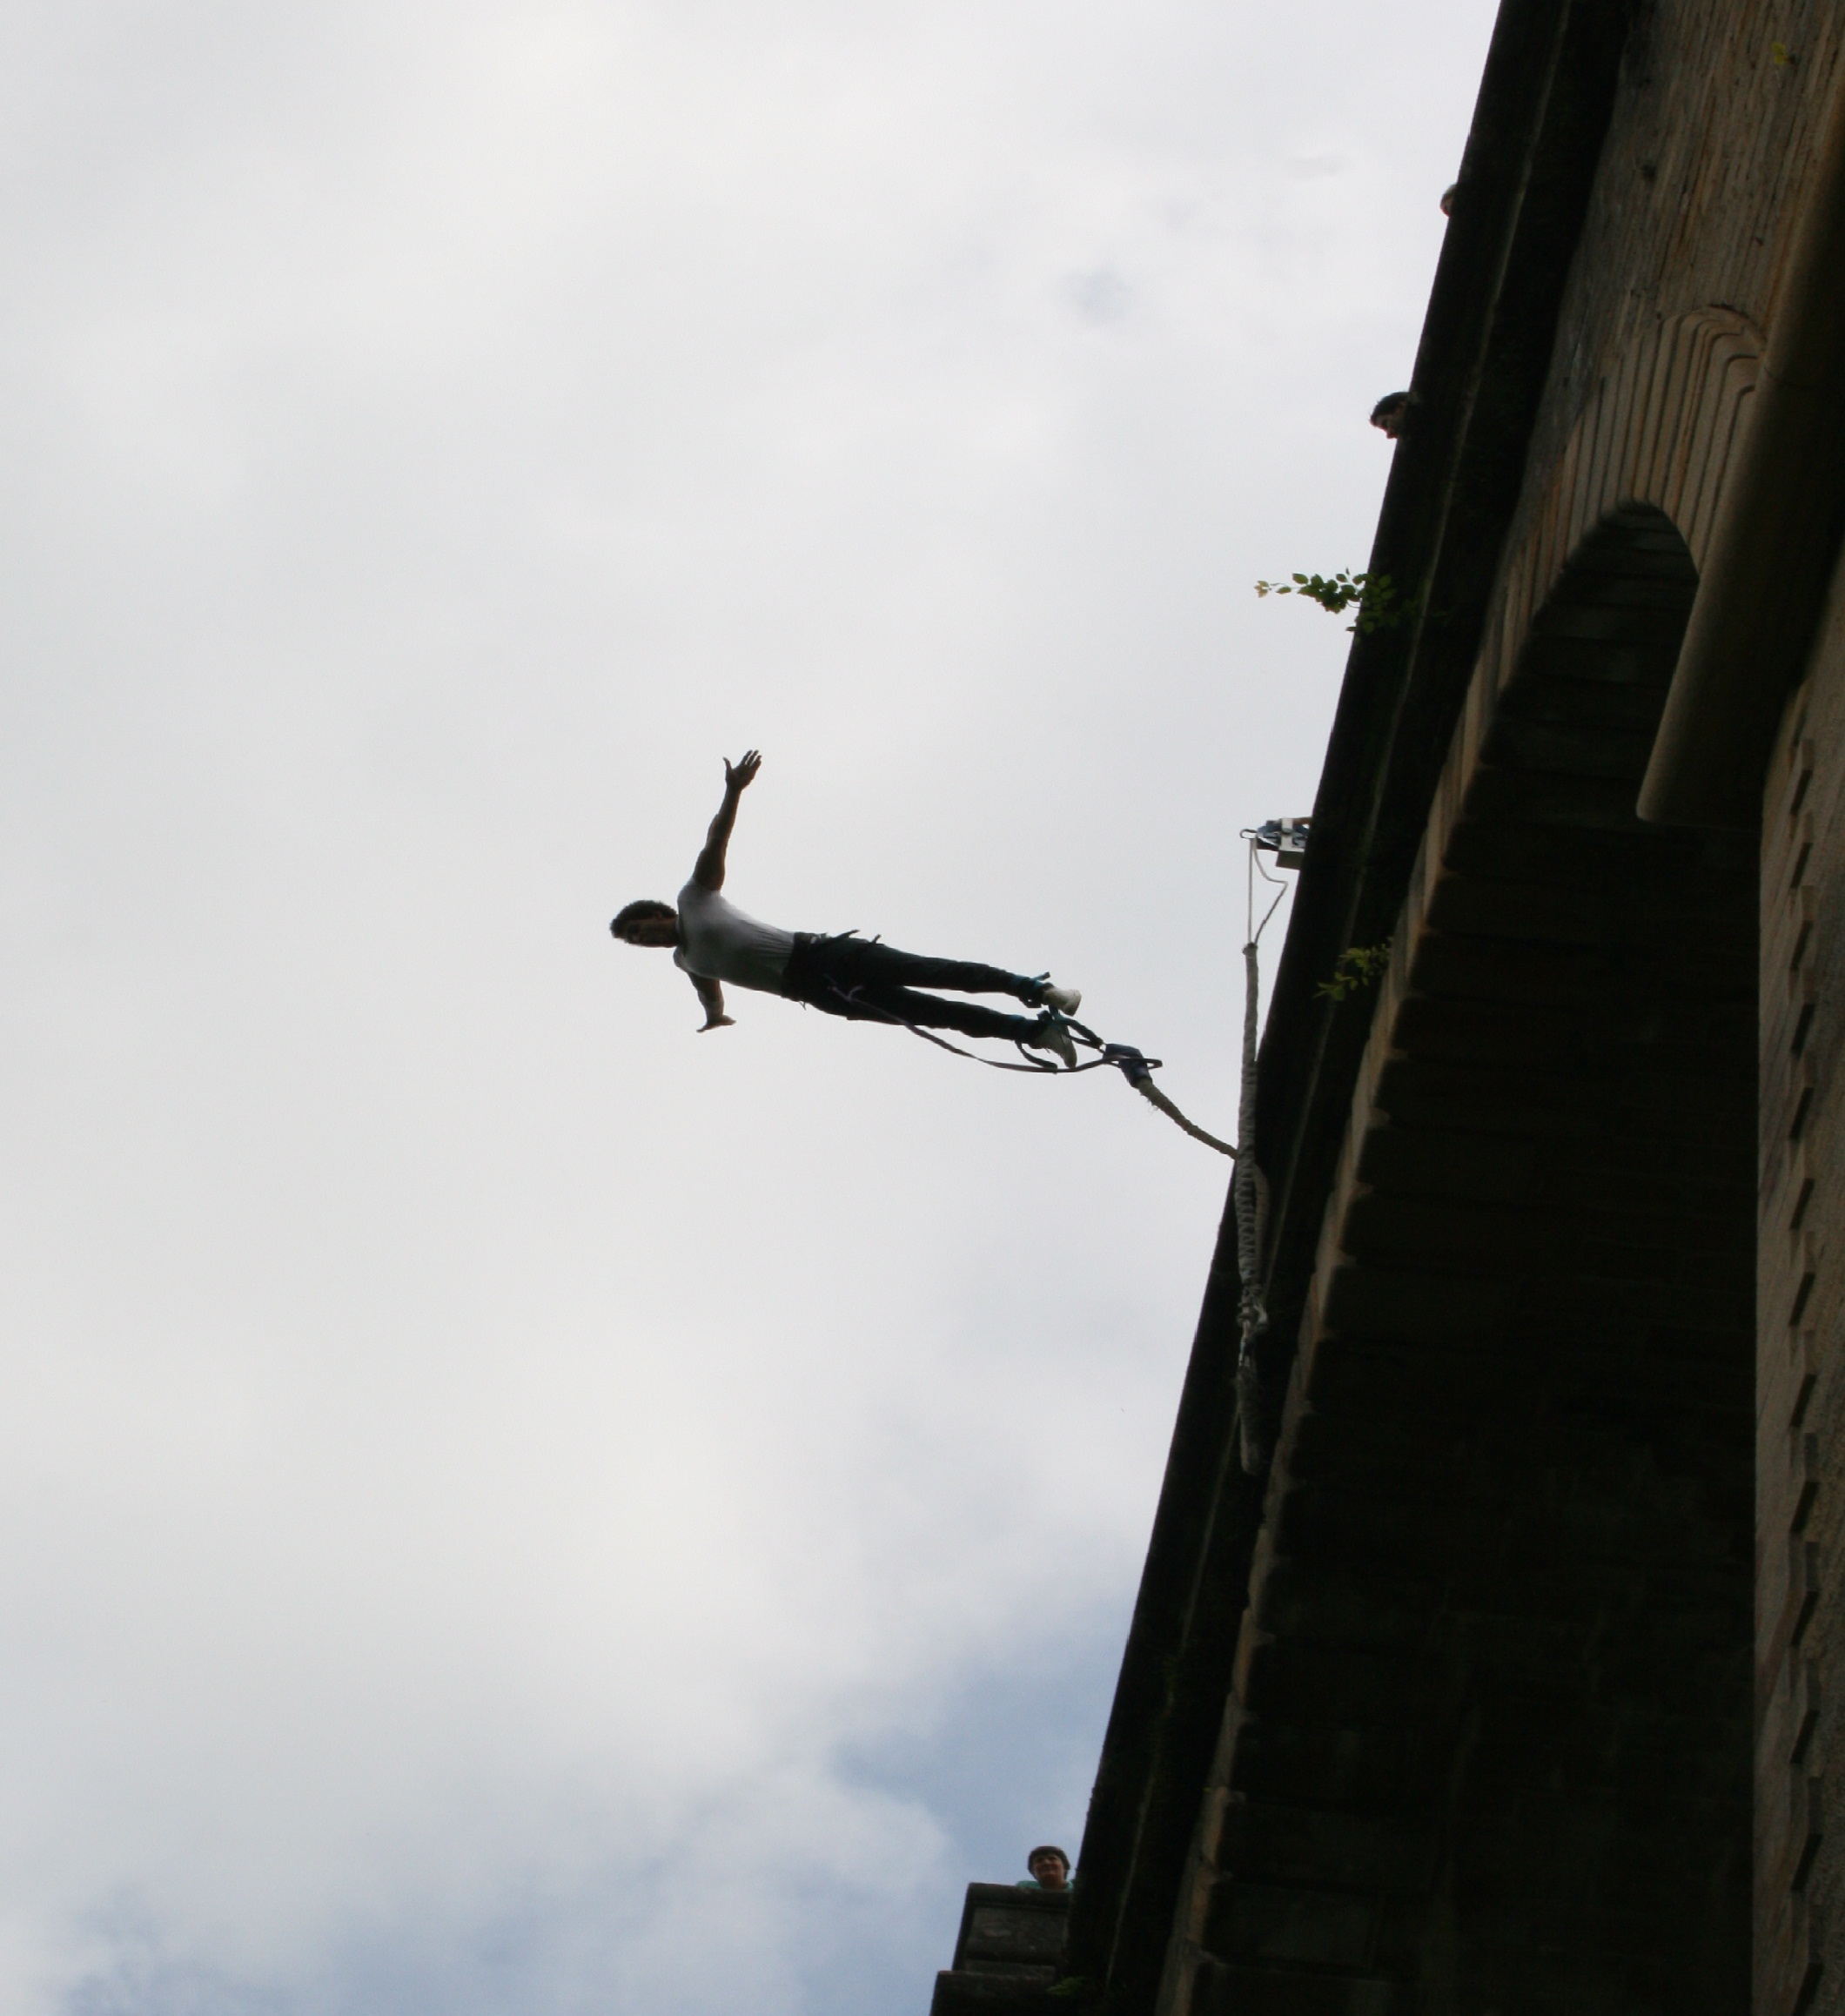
<point x="1065" y="1000"/>
<point x="1051" y="1035"/>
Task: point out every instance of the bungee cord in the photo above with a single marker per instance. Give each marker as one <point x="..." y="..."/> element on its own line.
<point x="1287" y="839"/>
<point x="1133" y="1065"/>
<point x="1249" y="1188"/>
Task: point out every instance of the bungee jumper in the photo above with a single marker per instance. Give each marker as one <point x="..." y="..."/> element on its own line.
<point x="714" y="942"/>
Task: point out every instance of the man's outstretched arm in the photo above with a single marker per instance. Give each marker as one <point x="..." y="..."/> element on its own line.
<point x="709" y="871"/>
<point x="711" y="999"/>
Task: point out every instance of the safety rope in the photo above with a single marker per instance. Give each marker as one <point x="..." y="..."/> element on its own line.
<point x="1248" y="1197"/>
<point x="1245" y="1191"/>
<point x="1137" y="1068"/>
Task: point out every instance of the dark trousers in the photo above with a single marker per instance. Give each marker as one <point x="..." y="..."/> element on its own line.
<point x="876" y="983"/>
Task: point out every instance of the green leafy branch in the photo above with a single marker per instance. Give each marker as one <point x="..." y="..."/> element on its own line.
<point x="1356" y="967"/>
<point x="1379" y="605"/>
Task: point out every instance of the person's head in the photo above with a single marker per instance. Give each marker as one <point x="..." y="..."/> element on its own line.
<point x="1388" y="415"/>
<point x="646" y="923"/>
<point x="1049" y="1867"/>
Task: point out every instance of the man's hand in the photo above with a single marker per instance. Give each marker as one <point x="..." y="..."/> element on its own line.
<point x="709" y="871"/>
<point x="711" y="999"/>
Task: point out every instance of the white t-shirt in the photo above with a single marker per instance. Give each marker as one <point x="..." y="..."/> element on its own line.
<point x="719" y="942"/>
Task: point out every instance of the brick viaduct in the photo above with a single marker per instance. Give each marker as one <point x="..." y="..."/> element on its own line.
<point x="1511" y="1680"/>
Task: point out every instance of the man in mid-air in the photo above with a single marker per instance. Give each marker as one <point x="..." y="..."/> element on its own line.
<point x="712" y="941"/>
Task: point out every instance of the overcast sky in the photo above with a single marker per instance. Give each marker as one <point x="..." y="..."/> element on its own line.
<point x="507" y="1505"/>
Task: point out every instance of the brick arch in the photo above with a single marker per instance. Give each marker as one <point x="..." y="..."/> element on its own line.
<point x="1658" y="435"/>
<point x="1488" y="1741"/>
<point x="1661" y="431"/>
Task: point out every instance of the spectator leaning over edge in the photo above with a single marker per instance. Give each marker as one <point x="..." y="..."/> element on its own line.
<point x="1049" y="1870"/>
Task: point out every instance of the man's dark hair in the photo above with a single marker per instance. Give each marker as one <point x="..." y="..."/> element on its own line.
<point x="633" y="912"/>
<point x="1393" y="405"/>
<point x="1046" y="1850"/>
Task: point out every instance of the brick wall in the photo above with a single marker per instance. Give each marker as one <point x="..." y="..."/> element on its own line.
<point x="1701" y="181"/>
<point x="1677" y="280"/>
<point x="1801" y="1391"/>
<point x="1705" y="167"/>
